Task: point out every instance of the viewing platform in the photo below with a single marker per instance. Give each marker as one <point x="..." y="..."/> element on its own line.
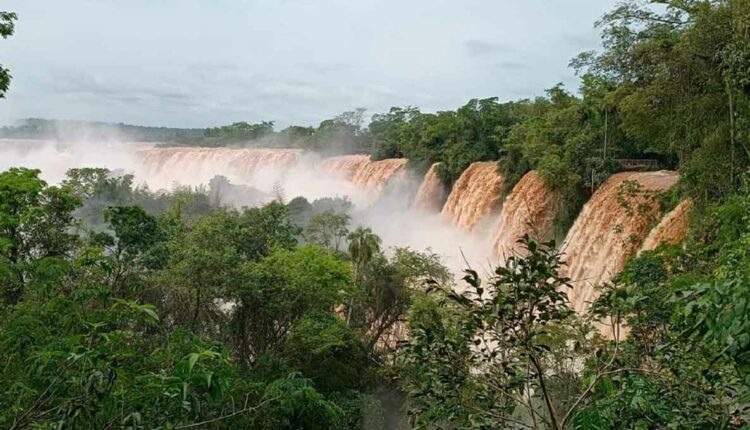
<point x="638" y="164"/>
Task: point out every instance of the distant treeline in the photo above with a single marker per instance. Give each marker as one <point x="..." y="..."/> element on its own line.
<point x="37" y="128"/>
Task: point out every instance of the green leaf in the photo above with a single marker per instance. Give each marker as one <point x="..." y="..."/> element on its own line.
<point x="192" y="359"/>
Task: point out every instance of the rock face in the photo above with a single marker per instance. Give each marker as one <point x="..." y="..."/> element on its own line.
<point x="431" y="193"/>
<point x="611" y="228"/>
<point x="530" y="208"/>
<point x="672" y="229"/>
<point x="475" y="195"/>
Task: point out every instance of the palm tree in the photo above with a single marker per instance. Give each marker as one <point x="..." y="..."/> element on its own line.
<point x="363" y="245"/>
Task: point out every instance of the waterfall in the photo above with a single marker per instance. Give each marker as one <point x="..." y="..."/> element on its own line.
<point x="364" y="173"/>
<point x="431" y="193"/>
<point x="529" y="209"/>
<point x="161" y="167"/>
<point x="610" y="228"/>
<point x="376" y="174"/>
<point x="475" y="195"/>
<point x="672" y="229"/>
<point x="345" y="166"/>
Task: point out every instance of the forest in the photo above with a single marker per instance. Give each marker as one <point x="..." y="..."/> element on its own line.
<point x="126" y="308"/>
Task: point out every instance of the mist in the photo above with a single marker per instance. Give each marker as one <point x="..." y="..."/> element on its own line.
<point x="258" y="176"/>
<point x="54" y="158"/>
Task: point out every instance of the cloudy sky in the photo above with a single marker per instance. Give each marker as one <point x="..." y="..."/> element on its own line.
<point x="196" y="63"/>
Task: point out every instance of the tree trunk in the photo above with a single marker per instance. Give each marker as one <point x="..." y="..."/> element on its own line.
<point x="545" y="393"/>
<point x="351" y="301"/>
<point x="197" y="308"/>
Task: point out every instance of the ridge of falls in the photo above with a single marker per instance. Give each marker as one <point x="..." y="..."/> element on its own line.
<point x="376" y="174"/>
<point x="530" y="208"/>
<point x="672" y="229"/>
<point x="431" y="193"/>
<point x="364" y="173"/>
<point x="606" y="233"/>
<point x="193" y="166"/>
<point x="345" y="166"/>
<point x="476" y="194"/>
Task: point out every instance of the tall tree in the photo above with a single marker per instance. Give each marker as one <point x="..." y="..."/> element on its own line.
<point x="7" y="27"/>
<point x="363" y="245"/>
<point x="328" y="229"/>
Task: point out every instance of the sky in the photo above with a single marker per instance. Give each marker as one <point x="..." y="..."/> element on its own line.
<point x="200" y="63"/>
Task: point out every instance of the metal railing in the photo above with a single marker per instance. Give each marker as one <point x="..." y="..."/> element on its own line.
<point x="638" y="163"/>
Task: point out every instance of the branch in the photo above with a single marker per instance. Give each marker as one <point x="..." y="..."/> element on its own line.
<point x="17" y="423"/>
<point x="500" y="417"/>
<point x="528" y="405"/>
<point x="545" y="392"/>
<point x="223" y="417"/>
<point x="601" y="372"/>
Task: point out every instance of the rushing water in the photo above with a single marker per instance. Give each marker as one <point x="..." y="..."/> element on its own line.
<point x="475" y="195"/>
<point x="530" y="209"/>
<point x="431" y="193"/>
<point x="607" y="233"/>
<point x="672" y="229"/>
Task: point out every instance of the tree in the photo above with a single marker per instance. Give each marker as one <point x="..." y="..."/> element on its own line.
<point x="324" y="349"/>
<point x="676" y="87"/>
<point x="264" y="229"/>
<point x="327" y="229"/>
<point x="522" y="302"/>
<point x="34" y="223"/>
<point x="386" y="291"/>
<point x="239" y="132"/>
<point x="21" y="193"/>
<point x="363" y="245"/>
<point x="138" y="245"/>
<point x="387" y="133"/>
<point x="435" y="369"/>
<point x="203" y="263"/>
<point x="339" y="134"/>
<point x="7" y="27"/>
<point x="506" y="345"/>
<point x="275" y="292"/>
<point x="82" y="354"/>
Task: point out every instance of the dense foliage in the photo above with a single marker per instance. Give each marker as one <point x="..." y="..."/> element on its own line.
<point x="162" y="317"/>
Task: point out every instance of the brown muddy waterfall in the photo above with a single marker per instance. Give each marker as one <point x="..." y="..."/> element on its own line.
<point x="431" y="193"/>
<point x="672" y="229"/>
<point x="376" y="174"/>
<point x="364" y="173"/>
<point x="611" y="228"/>
<point x="345" y="166"/>
<point x="530" y="208"/>
<point x="192" y="166"/>
<point x="475" y="195"/>
<point x="163" y="167"/>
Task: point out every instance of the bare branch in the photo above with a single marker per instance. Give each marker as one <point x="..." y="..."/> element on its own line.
<point x="223" y="417"/>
